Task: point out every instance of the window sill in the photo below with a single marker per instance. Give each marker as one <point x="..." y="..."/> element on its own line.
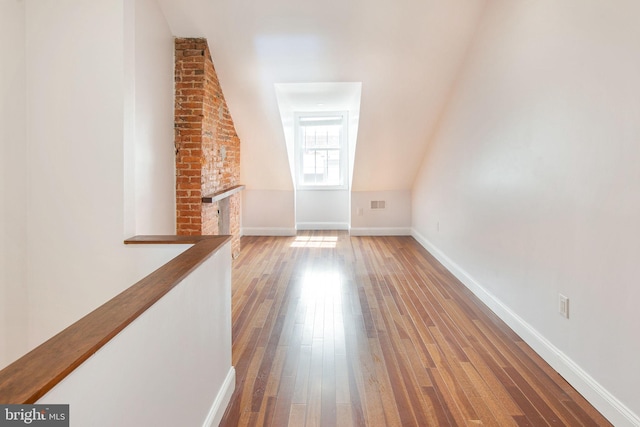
<point x="322" y="188"/>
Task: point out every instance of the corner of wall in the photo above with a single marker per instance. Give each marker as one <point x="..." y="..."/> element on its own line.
<point x="612" y="408"/>
<point x="13" y="183"/>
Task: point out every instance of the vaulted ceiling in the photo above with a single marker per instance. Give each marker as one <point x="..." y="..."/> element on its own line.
<point x="406" y="54"/>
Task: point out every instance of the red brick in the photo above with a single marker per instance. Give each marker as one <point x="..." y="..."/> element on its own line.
<point x="202" y="125"/>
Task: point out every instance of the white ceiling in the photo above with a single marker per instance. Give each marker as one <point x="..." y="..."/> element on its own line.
<point x="406" y="53"/>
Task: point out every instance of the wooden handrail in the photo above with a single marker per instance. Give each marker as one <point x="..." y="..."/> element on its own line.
<point x="34" y="374"/>
<point x="223" y="194"/>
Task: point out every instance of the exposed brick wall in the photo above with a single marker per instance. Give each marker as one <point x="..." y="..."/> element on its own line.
<point x="207" y="145"/>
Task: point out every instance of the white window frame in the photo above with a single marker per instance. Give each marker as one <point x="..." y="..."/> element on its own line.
<point x="299" y="152"/>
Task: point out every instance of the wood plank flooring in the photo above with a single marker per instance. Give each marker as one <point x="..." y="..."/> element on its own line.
<point x="333" y="330"/>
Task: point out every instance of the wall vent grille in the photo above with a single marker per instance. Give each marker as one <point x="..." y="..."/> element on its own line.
<point x="378" y="204"/>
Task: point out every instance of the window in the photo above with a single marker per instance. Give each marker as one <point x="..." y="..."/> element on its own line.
<point x="321" y="145"/>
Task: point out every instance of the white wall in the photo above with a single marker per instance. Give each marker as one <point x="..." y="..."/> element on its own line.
<point x="268" y="213"/>
<point x="395" y="219"/>
<point x="75" y="148"/>
<point x="90" y="120"/>
<point x="170" y="367"/>
<point x="322" y="209"/>
<point x="531" y="187"/>
<point x="154" y="134"/>
<point x="13" y="163"/>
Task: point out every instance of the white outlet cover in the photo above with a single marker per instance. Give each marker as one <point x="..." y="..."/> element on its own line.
<point x="563" y="305"/>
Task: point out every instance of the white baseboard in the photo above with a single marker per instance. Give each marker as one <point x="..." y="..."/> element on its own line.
<point x="380" y="231"/>
<point x="322" y="226"/>
<point x="268" y="231"/>
<point x="222" y="400"/>
<point x="605" y="402"/>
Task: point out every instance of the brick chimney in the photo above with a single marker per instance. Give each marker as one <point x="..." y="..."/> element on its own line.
<point x="207" y="145"/>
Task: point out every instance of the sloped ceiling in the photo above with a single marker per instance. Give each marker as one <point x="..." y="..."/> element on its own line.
<point x="406" y="53"/>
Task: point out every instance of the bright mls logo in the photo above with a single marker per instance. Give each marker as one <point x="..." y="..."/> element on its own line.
<point x="34" y="415"/>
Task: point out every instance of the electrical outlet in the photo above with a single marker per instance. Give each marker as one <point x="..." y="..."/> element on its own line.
<point x="563" y="306"/>
<point x="438" y="226"/>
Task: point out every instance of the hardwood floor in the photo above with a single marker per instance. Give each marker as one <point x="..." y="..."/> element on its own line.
<point x="333" y="330"/>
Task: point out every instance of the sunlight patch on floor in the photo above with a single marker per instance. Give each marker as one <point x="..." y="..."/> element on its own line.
<point x="321" y="285"/>
<point x="315" y="242"/>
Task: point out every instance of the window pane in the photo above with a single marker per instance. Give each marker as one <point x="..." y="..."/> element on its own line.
<point x="313" y="166"/>
<point x="321" y="136"/>
<point x="320" y="144"/>
<point x="321" y="166"/>
<point x="333" y="167"/>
